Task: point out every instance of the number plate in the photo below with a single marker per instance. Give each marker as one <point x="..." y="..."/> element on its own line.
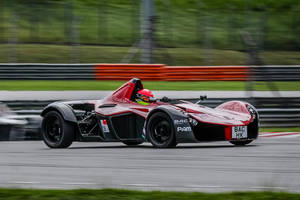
<point x="239" y="132"/>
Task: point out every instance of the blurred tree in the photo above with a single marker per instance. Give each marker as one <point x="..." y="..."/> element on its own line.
<point x="102" y="20"/>
<point x="296" y="26"/>
<point x="1" y="19"/>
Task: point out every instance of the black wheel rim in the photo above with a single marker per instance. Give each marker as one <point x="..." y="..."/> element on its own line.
<point x="160" y="130"/>
<point x="53" y="129"/>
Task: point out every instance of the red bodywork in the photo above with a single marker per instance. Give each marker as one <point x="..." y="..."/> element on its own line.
<point x="229" y="114"/>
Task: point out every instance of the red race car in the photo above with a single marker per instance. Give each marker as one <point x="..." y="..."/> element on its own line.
<point x="131" y="115"/>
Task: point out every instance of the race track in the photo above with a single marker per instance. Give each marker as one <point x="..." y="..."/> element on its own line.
<point x="266" y="164"/>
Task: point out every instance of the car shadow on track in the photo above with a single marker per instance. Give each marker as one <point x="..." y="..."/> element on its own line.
<point x="212" y="146"/>
<point x="151" y="147"/>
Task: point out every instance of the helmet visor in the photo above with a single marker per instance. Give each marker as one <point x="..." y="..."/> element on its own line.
<point x="145" y="98"/>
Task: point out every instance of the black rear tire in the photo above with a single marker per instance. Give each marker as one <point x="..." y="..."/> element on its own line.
<point x="56" y="132"/>
<point x="160" y="131"/>
<point x="241" y="143"/>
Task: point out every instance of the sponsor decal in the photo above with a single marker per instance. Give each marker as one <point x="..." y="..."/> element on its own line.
<point x="193" y="122"/>
<point x="180" y="121"/>
<point x="184" y="129"/>
<point x="104" y="126"/>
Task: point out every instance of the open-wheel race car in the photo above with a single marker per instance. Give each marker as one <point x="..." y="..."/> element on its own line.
<point x="163" y="123"/>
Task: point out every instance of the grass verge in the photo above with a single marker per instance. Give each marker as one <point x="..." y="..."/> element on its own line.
<point x="153" y="85"/>
<point x="117" y="194"/>
<point x="38" y="53"/>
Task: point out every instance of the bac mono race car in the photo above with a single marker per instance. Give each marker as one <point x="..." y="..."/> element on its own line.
<point x="119" y="118"/>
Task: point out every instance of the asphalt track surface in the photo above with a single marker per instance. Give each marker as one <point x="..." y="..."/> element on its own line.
<point x="266" y="164"/>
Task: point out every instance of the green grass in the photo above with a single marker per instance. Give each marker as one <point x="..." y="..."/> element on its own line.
<point x="117" y="194"/>
<point x="278" y="129"/>
<point x="153" y="85"/>
<point x="29" y="53"/>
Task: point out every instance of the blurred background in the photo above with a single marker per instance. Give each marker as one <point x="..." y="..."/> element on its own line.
<point x="183" y="32"/>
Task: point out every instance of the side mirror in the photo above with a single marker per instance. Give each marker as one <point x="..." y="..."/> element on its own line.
<point x="151" y="99"/>
<point x="203" y="97"/>
<point x="165" y="99"/>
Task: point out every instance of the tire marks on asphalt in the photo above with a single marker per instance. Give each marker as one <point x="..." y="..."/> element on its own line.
<point x="142" y="186"/>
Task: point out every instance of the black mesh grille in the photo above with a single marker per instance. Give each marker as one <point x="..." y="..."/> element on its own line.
<point x="209" y="132"/>
<point x="128" y="126"/>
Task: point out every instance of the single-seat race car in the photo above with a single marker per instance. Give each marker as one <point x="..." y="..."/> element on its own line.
<point x="163" y="123"/>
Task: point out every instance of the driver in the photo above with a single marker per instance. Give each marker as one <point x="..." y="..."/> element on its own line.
<point x="144" y="97"/>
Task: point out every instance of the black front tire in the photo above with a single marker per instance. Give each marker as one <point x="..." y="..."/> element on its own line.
<point x="241" y="143"/>
<point x="56" y="132"/>
<point x="160" y="131"/>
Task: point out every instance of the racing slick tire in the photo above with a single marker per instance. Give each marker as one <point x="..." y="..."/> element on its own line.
<point x="241" y="143"/>
<point x="132" y="143"/>
<point x="56" y="132"/>
<point x="160" y="131"/>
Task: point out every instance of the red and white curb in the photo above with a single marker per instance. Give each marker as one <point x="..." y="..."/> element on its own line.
<point x="279" y="134"/>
